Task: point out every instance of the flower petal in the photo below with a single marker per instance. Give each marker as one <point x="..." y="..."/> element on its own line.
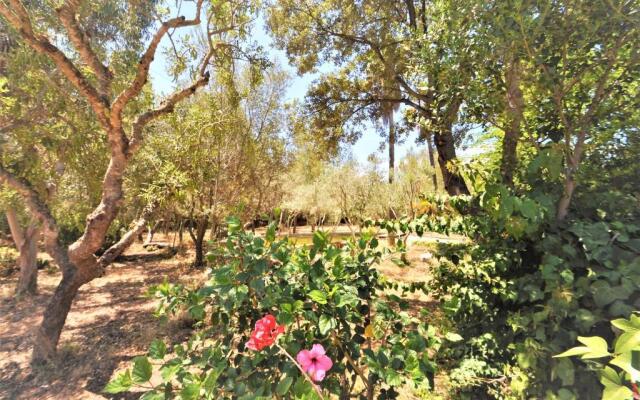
<point x="304" y="359"/>
<point x="318" y="375"/>
<point x="317" y="350"/>
<point x="251" y="344"/>
<point x="324" y="363"/>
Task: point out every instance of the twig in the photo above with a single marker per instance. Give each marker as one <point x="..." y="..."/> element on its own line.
<point x="315" y="387"/>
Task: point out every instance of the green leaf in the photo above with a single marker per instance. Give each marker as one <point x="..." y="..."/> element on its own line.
<point x="141" y="370"/>
<point x="233" y="224"/>
<point x="628" y="341"/>
<point x="270" y="235"/>
<point x="453" y="337"/>
<point x="624" y="361"/>
<point x="565" y="371"/>
<point x="597" y="346"/>
<point x="616" y="393"/>
<point x="326" y="324"/>
<point x="575" y="351"/>
<point x="153" y="395"/>
<point x="318" y="296"/>
<point x="624" y="325"/>
<point x="284" y="385"/>
<point x="609" y="377"/>
<point x="121" y="383"/>
<point x="157" y="349"/>
<point x="169" y="371"/>
<point x="190" y="391"/>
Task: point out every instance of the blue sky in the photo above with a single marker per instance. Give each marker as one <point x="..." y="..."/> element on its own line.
<point x="370" y="140"/>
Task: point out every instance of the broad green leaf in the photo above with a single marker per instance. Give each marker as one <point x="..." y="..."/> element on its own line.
<point x="624" y="361"/>
<point x="326" y="324"/>
<point x="284" y="385"/>
<point x="157" y="349"/>
<point x="270" y="235"/>
<point x="153" y="395"/>
<point x="616" y="393"/>
<point x="453" y="337"/>
<point x="169" y="371"/>
<point x="597" y="346"/>
<point x="121" y="383"/>
<point x="141" y="370"/>
<point x="609" y="377"/>
<point x="190" y="391"/>
<point x="628" y="341"/>
<point x="318" y="296"/>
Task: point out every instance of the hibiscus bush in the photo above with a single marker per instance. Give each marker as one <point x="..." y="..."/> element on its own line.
<point x="279" y="321"/>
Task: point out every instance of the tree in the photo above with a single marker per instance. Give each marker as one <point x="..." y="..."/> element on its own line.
<point x="95" y="82"/>
<point x="428" y="65"/>
<point x="588" y="66"/>
<point x="224" y="150"/>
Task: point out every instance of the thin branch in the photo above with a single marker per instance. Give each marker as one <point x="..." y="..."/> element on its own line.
<point x="67" y="14"/>
<point x="40" y="210"/>
<point x="142" y="72"/>
<point x="166" y="108"/>
<point x="16" y="14"/>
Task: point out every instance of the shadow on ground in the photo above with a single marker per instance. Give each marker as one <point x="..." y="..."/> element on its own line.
<point x="110" y="322"/>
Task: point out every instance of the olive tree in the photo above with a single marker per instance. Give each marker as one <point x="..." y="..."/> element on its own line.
<point x="93" y="69"/>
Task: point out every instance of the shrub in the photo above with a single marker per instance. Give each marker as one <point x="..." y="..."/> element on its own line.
<point x="8" y="259"/>
<point x="526" y="288"/>
<point x="320" y="295"/>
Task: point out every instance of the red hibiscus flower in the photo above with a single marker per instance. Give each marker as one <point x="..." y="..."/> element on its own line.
<point x="265" y="333"/>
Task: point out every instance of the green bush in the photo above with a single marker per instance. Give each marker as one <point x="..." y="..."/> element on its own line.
<point x="321" y="294"/>
<point x="8" y="259"/>
<point x="526" y="288"/>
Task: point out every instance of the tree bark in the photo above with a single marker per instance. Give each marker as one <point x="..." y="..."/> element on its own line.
<point x="432" y="162"/>
<point x="198" y="240"/>
<point x="54" y="318"/>
<point x="28" y="262"/>
<point x="392" y="148"/>
<point x="514" y="114"/>
<point x="453" y="181"/>
<point x="26" y="242"/>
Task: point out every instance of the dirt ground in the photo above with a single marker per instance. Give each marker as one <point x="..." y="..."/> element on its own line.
<point x="111" y="322"/>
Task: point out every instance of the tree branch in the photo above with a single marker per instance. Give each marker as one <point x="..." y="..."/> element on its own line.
<point x="145" y="62"/>
<point x="127" y="239"/>
<point x="67" y="15"/>
<point x="40" y="210"/>
<point x="16" y="14"/>
<point x="166" y="108"/>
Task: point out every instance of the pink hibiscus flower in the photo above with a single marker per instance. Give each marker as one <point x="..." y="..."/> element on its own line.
<point x="314" y="362"/>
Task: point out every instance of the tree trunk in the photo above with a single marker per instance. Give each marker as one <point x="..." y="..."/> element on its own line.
<point x="26" y="242"/>
<point x="54" y="318"/>
<point x="453" y="181"/>
<point x="392" y="148"/>
<point x="28" y="262"/>
<point x="514" y="111"/>
<point x="198" y="240"/>
<point x="432" y="162"/>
